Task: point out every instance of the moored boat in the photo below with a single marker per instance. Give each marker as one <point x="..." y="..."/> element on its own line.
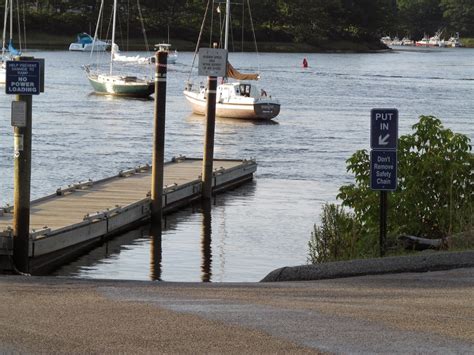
<point x="115" y="84"/>
<point x="172" y="53"/>
<point x="241" y="99"/>
<point x="85" y="43"/>
<point x="236" y="100"/>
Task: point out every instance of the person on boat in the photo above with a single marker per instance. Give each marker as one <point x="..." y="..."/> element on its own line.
<point x="305" y="63"/>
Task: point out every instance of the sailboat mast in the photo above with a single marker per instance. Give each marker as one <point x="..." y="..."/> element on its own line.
<point x="113" y="37"/>
<point x="227" y="23"/>
<point x="5" y="19"/>
<point x="11" y="20"/>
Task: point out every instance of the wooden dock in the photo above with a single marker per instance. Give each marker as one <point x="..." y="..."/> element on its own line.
<point x="80" y="215"/>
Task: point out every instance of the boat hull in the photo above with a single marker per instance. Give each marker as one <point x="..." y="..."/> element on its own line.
<point x="135" y="89"/>
<point x="79" y="47"/>
<point x="261" y="110"/>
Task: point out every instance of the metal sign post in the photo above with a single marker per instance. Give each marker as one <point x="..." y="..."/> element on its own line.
<point x="212" y="63"/>
<point x="383" y="161"/>
<point x="24" y="79"/>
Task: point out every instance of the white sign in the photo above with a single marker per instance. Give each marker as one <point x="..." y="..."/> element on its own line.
<point x="212" y="62"/>
<point x="19" y="113"/>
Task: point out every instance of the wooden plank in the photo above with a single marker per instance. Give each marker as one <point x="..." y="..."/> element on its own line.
<point x="61" y="211"/>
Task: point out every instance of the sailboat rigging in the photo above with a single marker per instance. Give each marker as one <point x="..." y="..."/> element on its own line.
<point x="12" y="51"/>
<point x="240" y="99"/>
<point x="115" y="84"/>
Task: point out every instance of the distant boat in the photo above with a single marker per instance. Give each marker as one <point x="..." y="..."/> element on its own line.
<point x="85" y="43"/>
<point x="137" y="59"/>
<point x="172" y="53"/>
<point x="434" y="41"/>
<point x="454" y="41"/>
<point x="407" y="42"/>
<point x="114" y="84"/>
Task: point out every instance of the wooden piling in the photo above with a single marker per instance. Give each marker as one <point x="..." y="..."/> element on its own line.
<point x="207" y="165"/>
<point x="159" y="138"/>
<point x="22" y="182"/>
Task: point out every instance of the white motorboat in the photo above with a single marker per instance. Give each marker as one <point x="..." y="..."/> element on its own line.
<point x="85" y="43"/>
<point x="454" y="41"/>
<point x="172" y="53"/>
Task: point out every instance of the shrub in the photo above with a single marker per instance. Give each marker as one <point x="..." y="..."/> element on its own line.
<point x="434" y="198"/>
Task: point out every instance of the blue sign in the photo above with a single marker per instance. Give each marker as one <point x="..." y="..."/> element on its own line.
<point x="384" y="128"/>
<point x="383" y="170"/>
<point x="23" y="77"/>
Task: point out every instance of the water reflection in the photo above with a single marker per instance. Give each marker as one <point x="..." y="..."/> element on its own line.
<point x="239" y="122"/>
<point x="206" y="231"/>
<point x="155" y="251"/>
<point x="109" y="97"/>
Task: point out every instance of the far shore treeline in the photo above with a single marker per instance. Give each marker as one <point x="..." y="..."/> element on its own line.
<point x="286" y="24"/>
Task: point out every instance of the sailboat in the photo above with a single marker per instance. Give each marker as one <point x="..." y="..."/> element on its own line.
<point x="240" y="99"/>
<point x="12" y="52"/>
<point x="114" y="84"/>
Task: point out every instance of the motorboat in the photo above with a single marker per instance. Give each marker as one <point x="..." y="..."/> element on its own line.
<point x="172" y="53"/>
<point x="454" y="41"/>
<point x="85" y="43"/>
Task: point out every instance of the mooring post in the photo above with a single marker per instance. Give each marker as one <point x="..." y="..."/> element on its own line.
<point x="207" y="163"/>
<point x="22" y="180"/>
<point x="157" y="178"/>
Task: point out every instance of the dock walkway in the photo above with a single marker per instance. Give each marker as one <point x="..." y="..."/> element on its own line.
<point x="81" y="214"/>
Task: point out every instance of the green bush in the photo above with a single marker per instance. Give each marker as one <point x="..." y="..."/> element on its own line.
<point x="337" y="238"/>
<point x="434" y="198"/>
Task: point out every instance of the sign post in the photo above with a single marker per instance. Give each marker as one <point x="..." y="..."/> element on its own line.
<point x="383" y="161"/>
<point x="212" y="63"/>
<point x="23" y="79"/>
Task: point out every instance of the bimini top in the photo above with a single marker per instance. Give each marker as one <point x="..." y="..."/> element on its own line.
<point x="84" y="38"/>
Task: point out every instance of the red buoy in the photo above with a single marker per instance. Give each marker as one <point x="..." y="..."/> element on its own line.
<point x="305" y="63"/>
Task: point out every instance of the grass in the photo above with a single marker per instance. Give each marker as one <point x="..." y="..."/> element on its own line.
<point x="468" y="42"/>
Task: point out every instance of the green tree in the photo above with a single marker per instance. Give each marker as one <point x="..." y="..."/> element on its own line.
<point x="417" y="17"/>
<point x="459" y="15"/>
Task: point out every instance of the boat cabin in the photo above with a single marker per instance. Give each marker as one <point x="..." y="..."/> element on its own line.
<point x="236" y="90"/>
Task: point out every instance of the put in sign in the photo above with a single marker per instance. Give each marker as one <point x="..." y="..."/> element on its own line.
<point x="383" y="157"/>
<point x="384" y="128"/>
<point x="23" y="77"/>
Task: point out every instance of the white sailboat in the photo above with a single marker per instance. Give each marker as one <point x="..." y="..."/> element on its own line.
<point x="114" y="84"/>
<point x="241" y="99"/>
<point x="10" y="48"/>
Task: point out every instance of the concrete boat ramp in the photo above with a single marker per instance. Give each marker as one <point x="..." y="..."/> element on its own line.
<point x="78" y="216"/>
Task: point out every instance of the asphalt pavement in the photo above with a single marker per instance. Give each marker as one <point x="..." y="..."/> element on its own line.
<point x="429" y="312"/>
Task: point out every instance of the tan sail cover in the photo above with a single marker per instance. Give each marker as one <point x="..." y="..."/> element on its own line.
<point x="235" y="74"/>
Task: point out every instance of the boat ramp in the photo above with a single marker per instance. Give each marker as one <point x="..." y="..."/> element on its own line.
<point x="79" y="216"/>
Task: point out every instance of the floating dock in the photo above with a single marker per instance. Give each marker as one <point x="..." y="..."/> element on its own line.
<point x="79" y="216"/>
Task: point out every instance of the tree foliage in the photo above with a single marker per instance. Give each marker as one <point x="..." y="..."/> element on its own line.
<point x="316" y="22"/>
<point x="434" y="197"/>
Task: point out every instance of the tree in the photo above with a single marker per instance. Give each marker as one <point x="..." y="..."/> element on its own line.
<point x="418" y="17"/>
<point x="459" y="15"/>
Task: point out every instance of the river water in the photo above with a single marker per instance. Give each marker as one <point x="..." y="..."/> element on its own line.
<point x="265" y="224"/>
